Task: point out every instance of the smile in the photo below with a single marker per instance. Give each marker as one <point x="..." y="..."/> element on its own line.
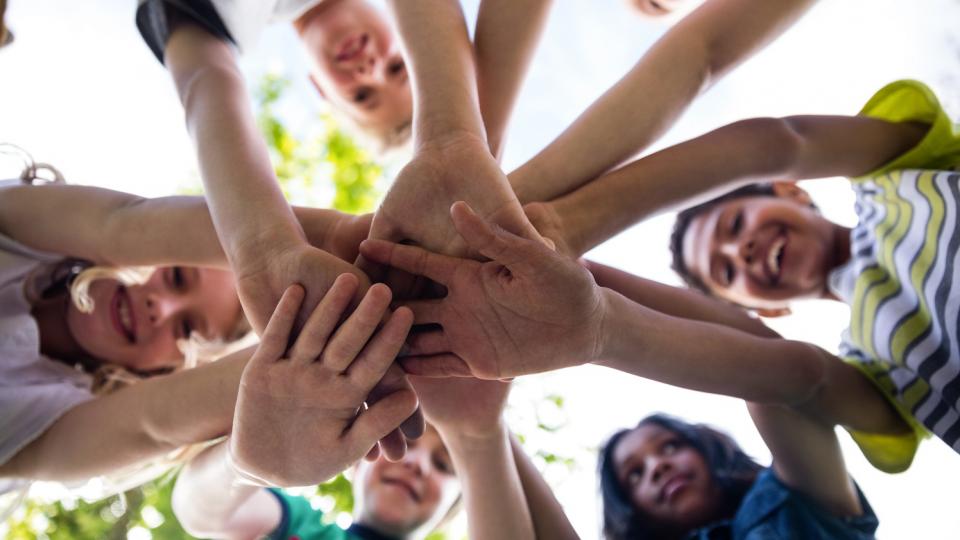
<point x="774" y="260"/>
<point x="673" y="487"/>
<point x="121" y="314"/>
<point x="406" y="486"/>
<point x="352" y="47"/>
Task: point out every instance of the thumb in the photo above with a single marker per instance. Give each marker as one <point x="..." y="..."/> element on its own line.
<point x="380" y="419"/>
<point x="489" y="240"/>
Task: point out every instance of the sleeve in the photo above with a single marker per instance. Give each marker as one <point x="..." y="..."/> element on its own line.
<point x="28" y="411"/>
<point x="913" y="101"/>
<point x="298" y="518"/>
<point x="156" y="19"/>
<point x="888" y="453"/>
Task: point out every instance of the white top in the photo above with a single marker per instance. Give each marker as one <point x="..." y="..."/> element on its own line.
<point x="34" y="390"/>
<point x="246" y="19"/>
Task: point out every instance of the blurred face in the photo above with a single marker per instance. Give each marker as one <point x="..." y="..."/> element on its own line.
<point x="357" y="64"/>
<point x="138" y="326"/>
<point x="666" y="479"/>
<point x="398" y="498"/>
<point x="761" y="251"/>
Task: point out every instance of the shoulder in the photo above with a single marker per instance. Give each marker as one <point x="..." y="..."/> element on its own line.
<point x="772" y="508"/>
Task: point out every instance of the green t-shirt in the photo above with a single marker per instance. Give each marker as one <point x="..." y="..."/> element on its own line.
<point x="301" y="521"/>
<point x="902" y="279"/>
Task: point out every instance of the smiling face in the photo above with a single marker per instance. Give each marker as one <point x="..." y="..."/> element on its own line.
<point x="357" y="63"/>
<point x="138" y="326"/>
<point x="398" y="498"/>
<point x="666" y="479"/>
<point x="762" y="251"/>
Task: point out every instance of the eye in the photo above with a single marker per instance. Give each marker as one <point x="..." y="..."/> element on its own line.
<point x="729" y="272"/>
<point x="176" y="278"/>
<point x="634" y="476"/>
<point x="183" y="329"/>
<point x="443" y="465"/>
<point x="670" y="446"/>
<point x="362" y="94"/>
<point x="396" y="67"/>
<point x="737" y="224"/>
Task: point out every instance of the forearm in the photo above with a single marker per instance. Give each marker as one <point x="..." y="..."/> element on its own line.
<point x="246" y="204"/>
<point x="506" y="37"/>
<point x="492" y="491"/>
<point x="134" y="424"/>
<point x="440" y="59"/>
<point x="688" y="59"/>
<point x="708" y="357"/>
<point x="676" y="301"/>
<point x="209" y="493"/>
<point x="549" y="519"/>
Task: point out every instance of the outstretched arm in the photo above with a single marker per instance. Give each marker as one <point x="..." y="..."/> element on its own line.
<point x="468" y="415"/>
<point x="506" y="37"/>
<point x="119" y="229"/>
<point x="688" y="59"/>
<point x="530" y="309"/>
<point x="549" y="519"/>
<point x="759" y="149"/>
<point x="134" y="424"/>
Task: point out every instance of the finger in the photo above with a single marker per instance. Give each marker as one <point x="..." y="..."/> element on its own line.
<point x="353" y="334"/>
<point x="274" y="341"/>
<point x="439" y="365"/>
<point x="412" y="259"/>
<point x="380" y="422"/>
<point x="376" y="271"/>
<point x="372" y="363"/>
<point x="425" y="311"/>
<point x="430" y="342"/>
<point x="322" y="322"/>
<point x="496" y="244"/>
<point x="415" y="424"/>
<point x="373" y="453"/>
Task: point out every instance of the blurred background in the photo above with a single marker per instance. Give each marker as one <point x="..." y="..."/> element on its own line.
<point x="79" y="89"/>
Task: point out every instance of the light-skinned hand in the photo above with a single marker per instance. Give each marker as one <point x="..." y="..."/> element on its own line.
<point x="446" y="404"/>
<point x="417" y="208"/>
<point x="300" y="416"/>
<point x="527" y="310"/>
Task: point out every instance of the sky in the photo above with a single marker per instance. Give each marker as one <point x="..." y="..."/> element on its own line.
<point x="81" y="90"/>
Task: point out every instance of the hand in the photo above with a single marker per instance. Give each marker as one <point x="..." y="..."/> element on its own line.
<point x="335" y="232"/>
<point x="527" y="310"/>
<point x="299" y="418"/>
<point x="315" y="270"/>
<point x="545" y="218"/>
<point x="463" y="406"/>
<point x="417" y="207"/>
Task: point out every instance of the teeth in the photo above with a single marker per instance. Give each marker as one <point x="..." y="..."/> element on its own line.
<point x="125" y="316"/>
<point x="773" y="256"/>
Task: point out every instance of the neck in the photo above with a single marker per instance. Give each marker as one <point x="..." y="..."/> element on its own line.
<point x="839" y="255"/>
<point x="367" y="531"/>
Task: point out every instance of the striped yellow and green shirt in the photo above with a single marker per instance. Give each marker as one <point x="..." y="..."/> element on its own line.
<point x="903" y="279"/>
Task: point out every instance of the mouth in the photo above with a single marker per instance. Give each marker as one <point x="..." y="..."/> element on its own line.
<point x="352" y="47"/>
<point x="774" y="260"/>
<point x="121" y="314"/>
<point x="406" y="486"/>
<point x="671" y="488"/>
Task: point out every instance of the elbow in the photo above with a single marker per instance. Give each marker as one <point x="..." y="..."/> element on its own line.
<point x="185" y="508"/>
<point x="775" y="146"/>
<point x="808" y="374"/>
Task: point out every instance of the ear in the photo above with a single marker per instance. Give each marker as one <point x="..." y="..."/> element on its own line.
<point x="313" y="80"/>
<point x="790" y="190"/>
<point x="772" y="312"/>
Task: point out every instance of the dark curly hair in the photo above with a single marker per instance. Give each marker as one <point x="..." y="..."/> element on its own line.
<point x="685" y="217"/>
<point x="732" y="469"/>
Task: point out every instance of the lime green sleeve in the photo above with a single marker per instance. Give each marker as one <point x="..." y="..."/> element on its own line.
<point x="913" y="101"/>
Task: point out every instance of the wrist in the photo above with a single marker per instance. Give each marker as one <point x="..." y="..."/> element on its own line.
<point x="473" y="439"/>
<point x="611" y="333"/>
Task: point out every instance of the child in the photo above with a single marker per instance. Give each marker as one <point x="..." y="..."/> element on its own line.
<point x="63" y="355"/>
<point x="761" y="250"/>
<point x="666" y="478"/>
<point x="282" y="413"/>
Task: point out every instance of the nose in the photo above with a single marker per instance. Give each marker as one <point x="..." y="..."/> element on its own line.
<point x="741" y="250"/>
<point x="658" y="466"/>
<point x="417" y="462"/>
<point x="161" y="307"/>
